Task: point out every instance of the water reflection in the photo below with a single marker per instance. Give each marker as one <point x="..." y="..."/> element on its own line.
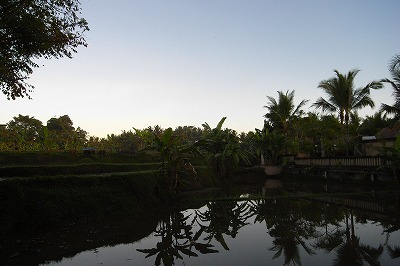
<point x="223" y="218"/>
<point x="278" y="229"/>
<point x="306" y="227"/>
<point x="177" y="239"/>
<point x="290" y="223"/>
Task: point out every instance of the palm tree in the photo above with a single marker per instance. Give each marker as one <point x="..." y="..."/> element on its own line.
<point x="344" y="98"/>
<point x="394" y="68"/>
<point x="282" y="112"/>
<point x="372" y="124"/>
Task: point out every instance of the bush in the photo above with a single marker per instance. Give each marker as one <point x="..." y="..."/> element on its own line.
<point x="47" y="201"/>
<point x="79" y="169"/>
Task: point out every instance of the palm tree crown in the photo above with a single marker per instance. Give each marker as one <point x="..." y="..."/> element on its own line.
<point x="343" y="98"/>
<point x="394" y="68"/>
<point x="281" y="112"/>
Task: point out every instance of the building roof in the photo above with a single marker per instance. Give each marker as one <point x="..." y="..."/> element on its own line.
<point x="389" y="132"/>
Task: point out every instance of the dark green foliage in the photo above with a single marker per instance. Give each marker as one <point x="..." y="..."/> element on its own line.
<point x="343" y="97"/>
<point x="392" y="155"/>
<point x="45" y="201"/>
<point x="68" y="158"/>
<point x="373" y="124"/>
<point x="175" y="158"/>
<point x="35" y="29"/>
<point x="54" y="194"/>
<point x="24" y="132"/>
<point x="80" y="169"/>
<point x="271" y="144"/>
<point x="281" y="113"/>
<point x="394" y="68"/>
<point x="223" y="149"/>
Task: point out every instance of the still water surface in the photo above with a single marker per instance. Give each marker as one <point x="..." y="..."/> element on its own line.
<point x="331" y="229"/>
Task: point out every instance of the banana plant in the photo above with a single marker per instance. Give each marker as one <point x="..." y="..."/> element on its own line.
<point x="223" y="148"/>
<point x="271" y="144"/>
<point x="175" y="158"/>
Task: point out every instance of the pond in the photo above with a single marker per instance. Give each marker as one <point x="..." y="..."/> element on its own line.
<point x="263" y="228"/>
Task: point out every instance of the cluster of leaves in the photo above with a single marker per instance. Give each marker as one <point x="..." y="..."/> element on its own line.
<point x="35" y="29"/>
<point x="224" y="148"/>
<point x="392" y="156"/>
<point x="25" y="133"/>
<point x="221" y="147"/>
<point x="270" y="145"/>
<point x="394" y="68"/>
<point x="175" y="157"/>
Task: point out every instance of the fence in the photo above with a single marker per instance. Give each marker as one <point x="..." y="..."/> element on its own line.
<point x="342" y="161"/>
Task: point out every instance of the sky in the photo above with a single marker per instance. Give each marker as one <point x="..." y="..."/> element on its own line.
<point x="183" y="63"/>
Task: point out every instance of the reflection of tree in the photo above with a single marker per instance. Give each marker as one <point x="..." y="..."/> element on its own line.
<point x="177" y="236"/>
<point x="287" y="223"/>
<point x="332" y="234"/>
<point x="296" y="226"/>
<point x="177" y="239"/>
<point x="393" y="226"/>
<point x="394" y="252"/>
<point x="224" y="218"/>
<point x="349" y="250"/>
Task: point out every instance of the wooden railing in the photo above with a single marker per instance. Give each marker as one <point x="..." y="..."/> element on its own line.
<point x="341" y="161"/>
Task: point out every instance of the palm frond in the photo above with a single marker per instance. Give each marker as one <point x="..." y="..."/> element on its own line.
<point x="323" y="104"/>
<point x="394" y="63"/>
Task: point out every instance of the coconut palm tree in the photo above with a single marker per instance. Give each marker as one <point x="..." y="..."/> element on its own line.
<point x="343" y="97"/>
<point x="394" y="68"/>
<point x="282" y="112"/>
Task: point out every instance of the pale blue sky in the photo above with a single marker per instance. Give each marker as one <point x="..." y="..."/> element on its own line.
<point x="188" y="62"/>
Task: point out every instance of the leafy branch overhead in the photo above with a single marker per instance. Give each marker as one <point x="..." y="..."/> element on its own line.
<point x="33" y="29"/>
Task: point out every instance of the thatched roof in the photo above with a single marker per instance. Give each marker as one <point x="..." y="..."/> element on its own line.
<point x="389" y="132"/>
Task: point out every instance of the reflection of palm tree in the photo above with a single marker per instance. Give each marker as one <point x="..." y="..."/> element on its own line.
<point x="225" y="218"/>
<point x="393" y="226"/>
<point x="394" y="252"/>
<point x="289" y="234"/>
<point x="287" y="223"/>
<point x="330" y="238"/>
<point x="177" y="239"/>
<point x="351" y="252"/>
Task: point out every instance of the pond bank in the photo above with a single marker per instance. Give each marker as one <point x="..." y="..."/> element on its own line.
<point x="44" y="202"/>
<point x="33" y="202"/>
